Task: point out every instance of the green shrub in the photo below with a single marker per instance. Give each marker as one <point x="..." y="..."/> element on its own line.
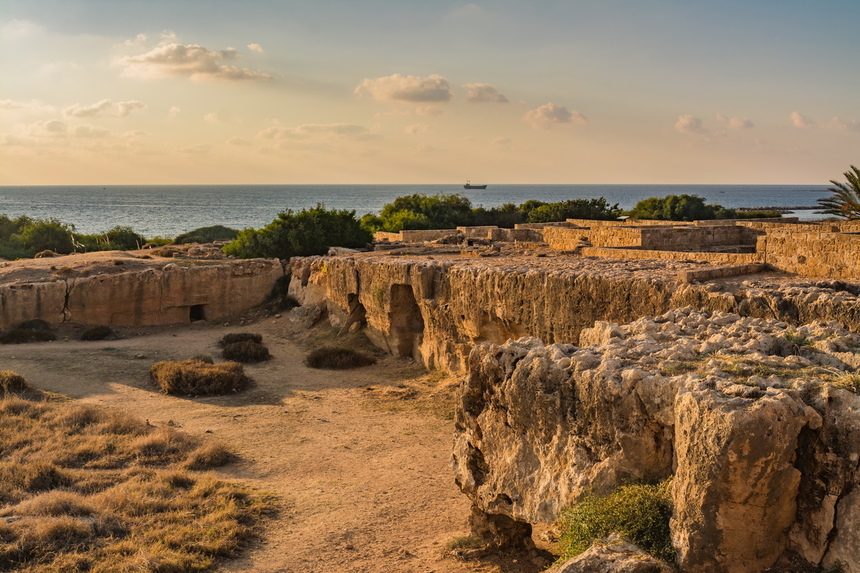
<point x="196" y="378"/>
<point x="335" y="358"/>
<point x="234" y="337"/>
<point x="207" y="235"/>
<point x="597" y="209"/>
<point x="49" y="234"/>
<point x="420" y="211"/>
<point x="674" y="208"/>
<point x="638" y="512"/>
<point x="308" y="232"/>
<point x="97" y="333"/>
<point x="246" y="351"/>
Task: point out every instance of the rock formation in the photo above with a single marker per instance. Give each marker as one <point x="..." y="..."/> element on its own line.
<point x="748" y="415"/>
<point x="122" y="290"/>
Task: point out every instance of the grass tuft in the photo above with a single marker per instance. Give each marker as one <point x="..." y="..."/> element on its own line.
<point x="639" y="512"/>
<point x="336" y="358"/>
<point x="12" y="383"/>
<point x="246" y="351"/>
<point x="197" y="378"/>
<point x="235" y="337"/>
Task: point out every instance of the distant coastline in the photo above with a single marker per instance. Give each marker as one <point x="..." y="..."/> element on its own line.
<point x="169" y="210"/>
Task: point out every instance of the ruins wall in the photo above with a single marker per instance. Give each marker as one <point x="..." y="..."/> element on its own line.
<point x="813" y="254"/>
<point x="171" y="294"/>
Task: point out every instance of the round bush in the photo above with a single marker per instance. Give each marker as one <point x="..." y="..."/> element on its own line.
<point x="234" y="337"/>
<point x="246" y="351"/>
<point x="24" y="335"/>
<point x="196" y="378"/>
<point x="334" y="358"/>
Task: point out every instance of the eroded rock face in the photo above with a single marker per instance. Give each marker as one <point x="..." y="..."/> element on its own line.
<point x="437" y="309"/>
<point x="153" y="295"/>
<point x="763" y="448"/>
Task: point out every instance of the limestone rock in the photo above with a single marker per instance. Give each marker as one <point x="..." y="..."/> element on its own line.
<point x="612" y="555"/>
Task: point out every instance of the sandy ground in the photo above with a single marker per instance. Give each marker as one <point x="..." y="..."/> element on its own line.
<point x="359" y="460"/>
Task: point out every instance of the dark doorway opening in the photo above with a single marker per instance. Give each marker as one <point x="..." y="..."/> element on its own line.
<point x="198" y="312"/>
<point x="407" y="324"/>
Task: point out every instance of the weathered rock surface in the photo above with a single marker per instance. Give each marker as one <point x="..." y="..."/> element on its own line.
<point x="123" y="290"/>
<point x="743" y="412"/>
<point x="437" y="306"/>
<point x="612" y="555"/>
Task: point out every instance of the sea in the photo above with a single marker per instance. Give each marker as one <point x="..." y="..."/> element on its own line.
<point x="170" y="210"/>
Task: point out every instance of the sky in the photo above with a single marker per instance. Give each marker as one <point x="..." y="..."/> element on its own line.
<point x="403" y="92"/>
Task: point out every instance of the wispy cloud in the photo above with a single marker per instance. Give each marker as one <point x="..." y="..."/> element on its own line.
<point x="190" y="60"/>
<point x="484" y="93"/>
<point x="106" y="106"/>
<point x="844" y="124"/>
<point x="800" y="120"/>
<point x="549" y="115"/>
<point x="414" y="89"/>
<point x="735" y="122"/>
<point x="689" y="124"/>
<point x="32" y="106"/>
<point x="256" y="48"/>
<point x="344" y="130"/>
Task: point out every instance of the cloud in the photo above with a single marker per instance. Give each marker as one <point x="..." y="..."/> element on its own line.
<point x="199" y="149"/>
<point x="412" y="89"/>
<point x="417" y="128"/>
<point x="735" y="122"/>
<point x="502" y="141"/>
<point x="89" y="131"/>
<point x="173" y="111"/>
<point x="800" y="120"/>
<point x="240" y="142"/>
<point x="844" y="124"/>
<point x="483" y="93"/>
<point x="689" y="124"/>
<point x="548" y="115"/>
<point x="345" y="130"/>
<point x="116" y="109"/>
<point x="32" y="106"/>
<point x="256" y="48"/>
<point x="740" y="123"/>
<point x="189" y="60"/>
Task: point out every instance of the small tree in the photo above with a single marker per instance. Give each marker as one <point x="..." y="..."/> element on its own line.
<point x="845" y="201"/>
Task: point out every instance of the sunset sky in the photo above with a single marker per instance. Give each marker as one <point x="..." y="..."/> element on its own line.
<point x="385" y="91"/>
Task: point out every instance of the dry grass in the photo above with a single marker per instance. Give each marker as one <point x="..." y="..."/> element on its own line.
<point x="338" y="358"/>
<point x="198" y="378"/>
<point x="235" y="337"/>
<point x="83" y="489"/>
<point x="246" y="351"/>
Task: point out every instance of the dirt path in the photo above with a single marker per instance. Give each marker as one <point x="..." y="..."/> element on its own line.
<point x="360" y="460"/>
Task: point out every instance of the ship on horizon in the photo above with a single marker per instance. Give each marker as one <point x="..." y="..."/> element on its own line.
<point x="469" y="185"/>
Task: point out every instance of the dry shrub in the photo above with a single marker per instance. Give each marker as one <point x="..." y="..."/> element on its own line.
<point x="12" y="383"/>
<point x="235" y="337"/>
<point x="75" y="417"/>
<point x="196" y="378"/>
<point x="246" y="351"/>
<point x="203" y="358"/>
<point x="208" y="456"/>
<point x="25" y="335"/>
<point x="334" y="358"/>
<point x="32" y="477"/>
<point x="98" y="333"/>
